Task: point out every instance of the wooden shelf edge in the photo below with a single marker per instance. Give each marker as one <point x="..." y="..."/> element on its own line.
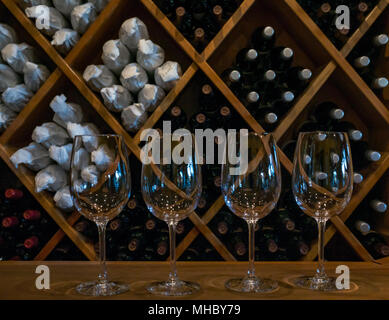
<point x="227" y="28"/>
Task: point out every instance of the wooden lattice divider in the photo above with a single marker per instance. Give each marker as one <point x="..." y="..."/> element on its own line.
<point x="200" y="61"/>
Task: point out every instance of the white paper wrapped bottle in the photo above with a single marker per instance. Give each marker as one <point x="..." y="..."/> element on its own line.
<point x="7" y="35"/>
<point x="47" y="19"/>
<point x="99" y="77"/>
<point x="91" y="142"/>
<point x="51" y="179"/>
<point x="134" y="78"/>
<point x="8" y="78"/>
<point x="131" y="32"/>
<point x="49" y="134"/>
<point x="102" y="157"/>
<point x="83" y="16"/>
<point x="62" y="155"/>
<point x="133" y="117"/>
<point x="150" y="55"/>
<point x="64" y="40"/>
<point x="90" y="174"/>
<point x="63" y="199"/>
<point x="151" y="96"/>
<point x="81" y="159"/>
<point x="66" y="6"/>
<point x="6" y="117"/>
<point x="116" y="56"/>
<point x="167" y="75"/>
<point x="66" y="111"/>
<point x="116" y="98"/>
<point x="35" y="75"/>
<point x="34" y="156"/>
<point x="17" y="55"/>
<point x="16" y="98"/>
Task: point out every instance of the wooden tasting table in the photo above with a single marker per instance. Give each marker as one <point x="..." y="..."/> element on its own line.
<point x="17" y="279"/>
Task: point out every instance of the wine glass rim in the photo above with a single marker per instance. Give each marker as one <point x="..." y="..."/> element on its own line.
<point x="322" y="131"/>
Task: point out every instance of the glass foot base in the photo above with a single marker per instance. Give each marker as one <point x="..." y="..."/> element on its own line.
<point x="315" y="283"/>
<point x="255" y="285"/>
<point x="97" y="289"/>
<point x="179" y="288"/>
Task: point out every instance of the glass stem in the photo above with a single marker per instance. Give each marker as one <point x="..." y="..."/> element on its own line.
<point x="173" y="269"/>
<point x="321" y="222"/>
<point x="103" y="277"/>
<point x="251" y="271"/>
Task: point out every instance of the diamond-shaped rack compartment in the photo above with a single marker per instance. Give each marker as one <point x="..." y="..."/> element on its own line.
<point x="19" y="133"/>
<point x="312" y="46"/>
<point x="23" y="37"/>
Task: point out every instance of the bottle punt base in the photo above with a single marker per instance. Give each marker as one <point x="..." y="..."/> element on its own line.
<point x="97" y="289"/>
<point x="256" y="285"/>
<point x="173" y="289"/>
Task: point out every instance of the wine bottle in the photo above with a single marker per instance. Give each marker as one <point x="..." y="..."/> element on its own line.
<point x="200" y="121"/>
<point x="362" y="226"/>
<point x="223" y="118"/>
<point x="247" y="60"/>
<point x="283" y="102"/>
<point x="283" y="221"/>
<point x="265" y="82"/>
<point x="177" y="117"/>
<point x="162" y="246"/>
<point x="199" y="8"/>
<point x="375" y="244"/>
<point x="378" y="206"/>
<point x="136" y="241"/>
<point x="266" y="118"/>
<point x="251" y="99"/>
<point x="269" y="241"/>
<point x="281" y="58"/>
<point x="324" y="16"/>
<point x="343" y="126"/>
<point x="362" y="63"/>
<point x="238" y="245"/>
<point x="208" y="99"/>
<point x="328" y="112"/>
<point x="232" y="78"/>
<point x="263" y="39"/>
<point x="222" y="224"/>
<point x="296" y="248"/>
<point x="359" y="12"/>
<point x="184" y="22"/>
<point x="362" y="155"/>
<point x="297" y="78"/>
<point x="199" y="39"/>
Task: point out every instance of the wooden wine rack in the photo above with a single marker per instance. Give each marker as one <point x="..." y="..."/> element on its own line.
<point x="334" y="78"/>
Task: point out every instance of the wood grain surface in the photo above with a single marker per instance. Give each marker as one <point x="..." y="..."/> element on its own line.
<point x="17" y="281"/>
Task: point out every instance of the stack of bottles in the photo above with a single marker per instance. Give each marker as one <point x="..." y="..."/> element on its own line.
<point x="25" y="227"/>
<point x="284" y="235"/>
<point x="265" y="79"/>
<point x="363" y="225"/>
<point x="325" y="16"/>
<point x="199" y="20"/>
<point x="145" y="76"/>
<point x="366" y="56"/>
<point x="329" y="116"/>
<point x="135" y="234"/>
<point x="21" y="75"/>
<point x="49" y="153"/>
<point x="63" y="21"/>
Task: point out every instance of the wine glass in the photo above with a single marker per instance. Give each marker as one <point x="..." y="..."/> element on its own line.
<point x="100" y="184"/>
<point x="322" y="185"/>
<point x="171" y="188"/>
<point x="251" y="186"/>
